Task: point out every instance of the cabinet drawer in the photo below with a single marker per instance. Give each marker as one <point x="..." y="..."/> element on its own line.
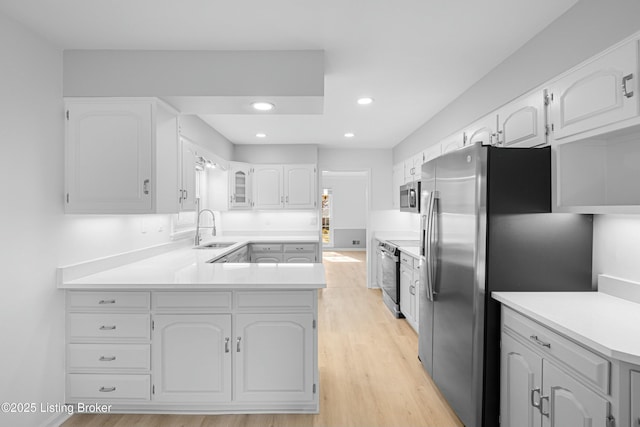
<point x="583" y="362"/>
<point x="89" y="326"/>
<point x="266" y="247"/>
<point x="109" y="387"/>
<point x="188" y="301"/>
<point x="407" y="260"/>
<point x="301" y="257"/>
<point x="109" y="356"/>
<point x="83" y="300"/>
<point x="301" y="300"/>
<point x="300" y="247"/>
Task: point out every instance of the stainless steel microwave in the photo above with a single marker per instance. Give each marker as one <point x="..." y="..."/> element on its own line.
<point x="410" y="197"/>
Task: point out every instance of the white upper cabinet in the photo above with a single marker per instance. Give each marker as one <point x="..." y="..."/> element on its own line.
<point x="482" y="131"/>
<point x="431" y="153"/>
<point x="187" y="191"/>
<point x="453" y="142"/>
<point x="284" y="186"/>
<point x="239" y="185"/>
<point x="109" y="152"/>
<point x="268" y="188"/>
<point x="300" y="186"/>
<point x="600" y="93"/>
<point x="521" y="123"/>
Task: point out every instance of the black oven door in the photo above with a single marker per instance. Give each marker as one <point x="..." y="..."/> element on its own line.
<point x="389" y="282"/>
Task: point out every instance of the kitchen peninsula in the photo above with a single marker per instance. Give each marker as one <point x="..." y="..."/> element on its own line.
<point x="179" y="332"/>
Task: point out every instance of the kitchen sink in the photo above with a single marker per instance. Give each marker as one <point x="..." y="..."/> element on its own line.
<point x="215" y="245"/>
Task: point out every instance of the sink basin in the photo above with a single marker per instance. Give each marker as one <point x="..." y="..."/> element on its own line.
<point x="215" y="245"/>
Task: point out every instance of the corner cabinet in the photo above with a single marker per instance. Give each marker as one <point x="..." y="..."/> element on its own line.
<point x="194" y="351"/>
<point x="121" y="156"/>
<point x="549" y="380"/>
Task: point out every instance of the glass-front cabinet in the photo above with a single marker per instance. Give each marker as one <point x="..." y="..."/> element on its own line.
<point x="239" y="185"/>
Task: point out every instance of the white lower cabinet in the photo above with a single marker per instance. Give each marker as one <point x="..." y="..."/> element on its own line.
<point x="548" y="380"/>
<point x="272" y="357"/>
<point x="192" y="357"/>
<point x="409" y="289"/>
<point x="635" y="398"/>
<point x="222" y="351"/>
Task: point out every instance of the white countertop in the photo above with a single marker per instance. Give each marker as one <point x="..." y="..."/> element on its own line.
<point x="413" y="250"/>
<point x="608" y="324"/>
<point x="187" y="268"/>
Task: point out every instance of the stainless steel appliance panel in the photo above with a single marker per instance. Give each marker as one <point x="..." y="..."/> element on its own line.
<point x="425" y="299"/>
<point x="456" y="293"/>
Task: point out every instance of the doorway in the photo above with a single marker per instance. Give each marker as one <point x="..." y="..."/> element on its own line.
<point x="327" y="207"/>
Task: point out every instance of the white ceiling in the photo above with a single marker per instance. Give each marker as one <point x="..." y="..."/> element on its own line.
<point x="412" y="56"/>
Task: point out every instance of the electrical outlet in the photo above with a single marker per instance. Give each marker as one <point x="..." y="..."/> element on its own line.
<point x="355" y="242"/>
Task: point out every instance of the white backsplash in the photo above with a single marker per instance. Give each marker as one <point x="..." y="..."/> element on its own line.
<point x="238" y="223"/>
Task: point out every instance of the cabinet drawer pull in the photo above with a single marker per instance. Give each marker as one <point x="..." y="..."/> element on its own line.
<point x="107" y="301"/>
<point x="542" y="399"/>
<point x="238" y="344"/>
<point x="145" y="186"/>
<point x="107" y="328"/>
<point x="625" y="79"/>
<point x="107" y="358"/>
<point x="412" y="290"/>
<point x="539" y="342"/>
<point x="106" y="389"/>
<point x="226" y="345"/>
<point x="533" y="401"/>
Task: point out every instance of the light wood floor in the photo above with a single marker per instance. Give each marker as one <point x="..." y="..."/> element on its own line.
<point x="370" y="374"/>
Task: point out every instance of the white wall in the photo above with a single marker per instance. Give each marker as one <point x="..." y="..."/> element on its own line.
<point x="584" y="30"/>
<point x="616" y="246"/>
<point x="196" y="130"/>
<point x="36" y="235"/>
<point x="265" y="223"/>
<point x="276" y="153"/>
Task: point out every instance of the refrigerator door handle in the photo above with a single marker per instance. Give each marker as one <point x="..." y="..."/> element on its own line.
<point x="434" y="238"/>
<point x="427" y="248"/>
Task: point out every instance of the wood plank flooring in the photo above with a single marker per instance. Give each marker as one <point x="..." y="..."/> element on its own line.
<point x="370" y="374"/>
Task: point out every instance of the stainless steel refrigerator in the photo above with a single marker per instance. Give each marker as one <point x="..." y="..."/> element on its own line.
<point x="486" y="226"/>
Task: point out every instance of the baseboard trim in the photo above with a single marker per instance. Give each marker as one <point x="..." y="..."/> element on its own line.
<point x="56" y="420"/>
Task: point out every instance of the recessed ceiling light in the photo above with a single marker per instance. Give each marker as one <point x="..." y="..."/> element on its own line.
<point x="365" y="101"/>
<point x="261" y="135"/>
<point x="349" y="135"/>
<point x="263" y="106"/>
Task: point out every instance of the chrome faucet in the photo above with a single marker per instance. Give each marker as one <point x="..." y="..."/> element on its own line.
<point x="198" y="226"/>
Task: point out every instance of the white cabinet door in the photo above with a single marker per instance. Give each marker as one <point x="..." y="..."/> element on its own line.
<point x="188" y="194"/>
<point x="192" y="357"/>
<point x="239" y="185"/>
<point x="267" y="258"/>
<point x="601" y="92"/>
<point x="268" y="190"/>
<point x="432" y="152"/>
<point x="635" y="399"/>
<point x="406" y="281"/>
<point x="109" y="157"/>
<point x="566" y="402"/>
<point x="569" y="403"/>
<point x="274" y="357"/>
<point x="453" y="142"/>
<point x="483" y="131"/>
<point x="520" y="384"/>
<point x="302" y="258"/>
<point x="521" y="123"/>
<point x="300" y="186"/>
<point x="414" y="292"/>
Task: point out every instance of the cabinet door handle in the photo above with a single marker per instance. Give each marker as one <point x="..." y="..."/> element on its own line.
<point x="625" y="79"/>
<point x="107" y="301"/>
<point x="540" y="342"/>
<point x="145" y="186"/>
<point x="106" y="389"/>
<point x="107" y="328"/>
<point x="226" y="345"/>
<point x="542" y="399"/>
<point x="107" y="358"/>
<point x="238" y="344"/>
<point x="186" y="194"/>
<point x="533" y="401"/>
<point x="412" y="290"/>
